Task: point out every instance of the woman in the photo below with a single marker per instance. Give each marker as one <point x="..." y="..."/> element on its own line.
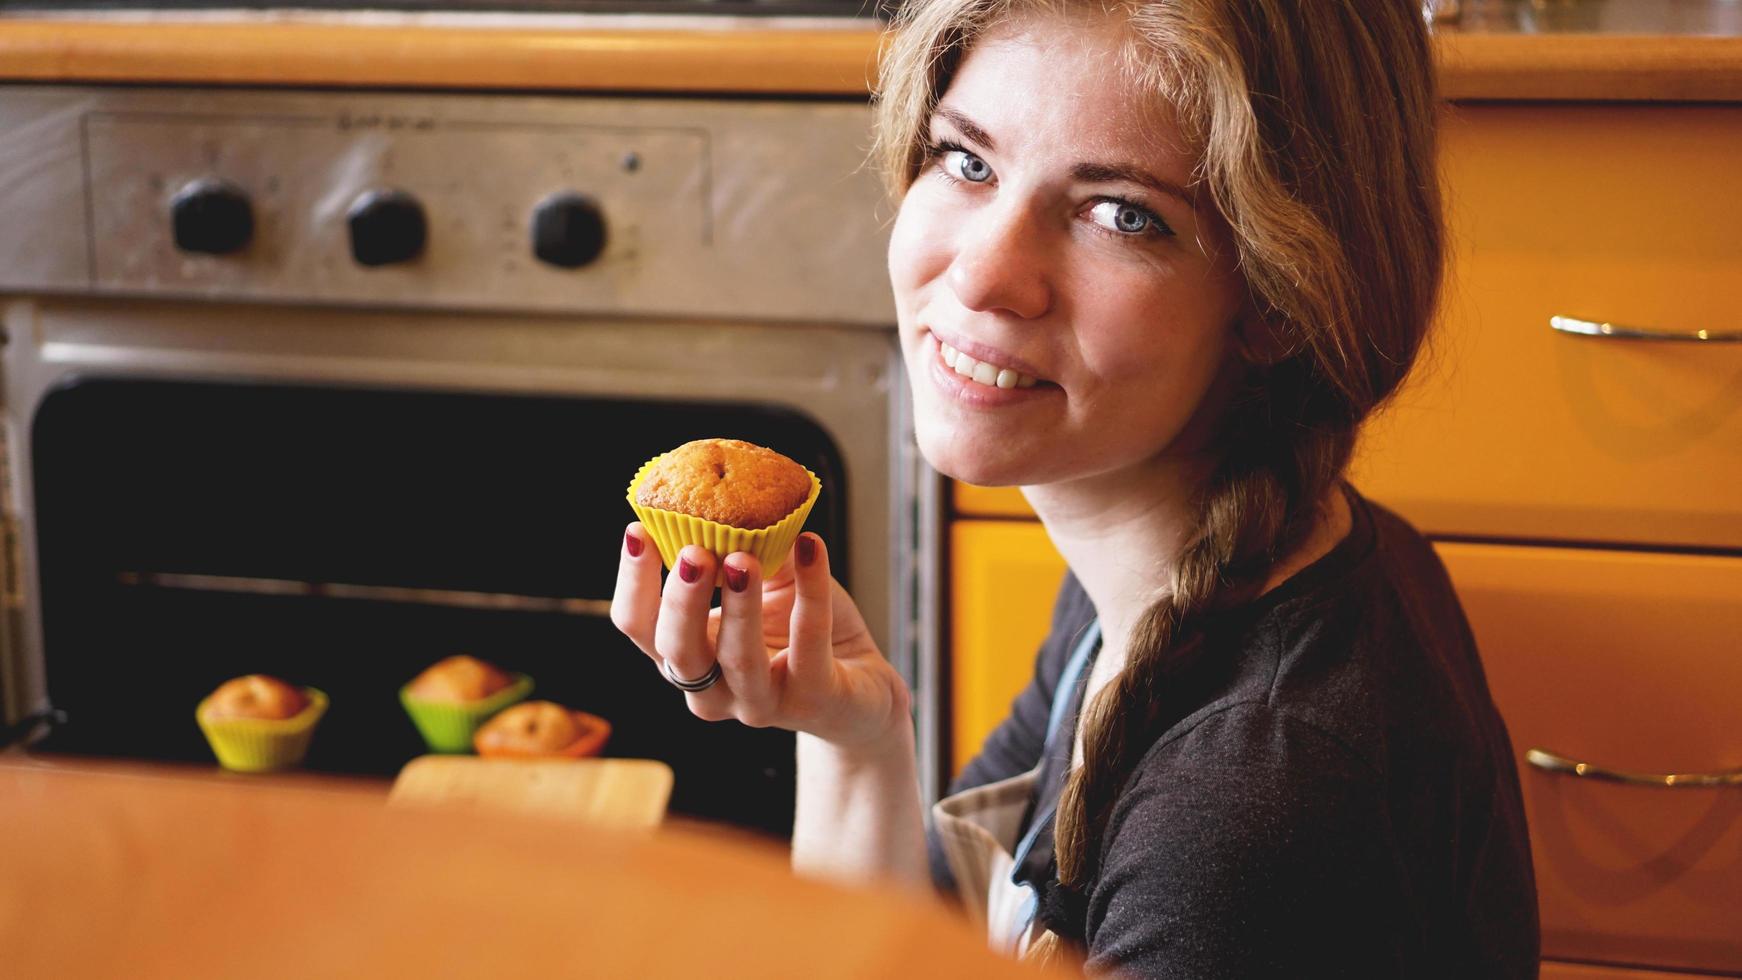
<point x="1155" y="262"/>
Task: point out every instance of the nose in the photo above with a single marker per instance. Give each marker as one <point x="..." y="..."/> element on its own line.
<point x="1000" y="264"/>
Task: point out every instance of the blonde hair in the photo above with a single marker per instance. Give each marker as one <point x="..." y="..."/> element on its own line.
<point x="1315" y="126"/>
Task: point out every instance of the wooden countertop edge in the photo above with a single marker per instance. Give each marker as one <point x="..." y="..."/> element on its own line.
<point x="1590" y="67"/>
<point x="740" y="59"/>
<point x="797" y="61"/>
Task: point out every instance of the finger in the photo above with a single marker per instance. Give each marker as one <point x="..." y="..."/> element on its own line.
<point x="743" y="656"/>
<point x="635" y="601"/>
<point x="782" y="576"/>
<point x="812" y="610"/>
<point x="680" y="637"/>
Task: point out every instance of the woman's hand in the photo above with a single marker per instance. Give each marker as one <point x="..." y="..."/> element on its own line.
<point x="794" y="652"/>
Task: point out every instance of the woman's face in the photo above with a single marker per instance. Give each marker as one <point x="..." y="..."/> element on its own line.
<point x="1054" y="235"/>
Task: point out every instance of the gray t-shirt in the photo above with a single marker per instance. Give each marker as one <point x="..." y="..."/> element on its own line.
<point x="1331" y="792"/>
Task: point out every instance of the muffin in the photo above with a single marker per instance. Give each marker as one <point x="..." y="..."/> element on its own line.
<point x="452" y="697"/>
<point x="725" y="495"/>
<point x="458" y="679"/>
<point x="537" y="729"/>
<point x="257" y="723"/>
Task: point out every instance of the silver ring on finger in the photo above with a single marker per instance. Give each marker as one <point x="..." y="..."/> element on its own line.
<point x="698" y="685"/>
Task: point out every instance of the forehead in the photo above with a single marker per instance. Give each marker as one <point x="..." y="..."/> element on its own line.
<point x="1060" y="85"/>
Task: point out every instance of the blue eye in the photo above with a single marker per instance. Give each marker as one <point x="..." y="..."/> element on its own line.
<point x="1124" y="218"/>
<point x="967" y="166"/>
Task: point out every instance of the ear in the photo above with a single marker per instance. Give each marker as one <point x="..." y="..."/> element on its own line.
<point x="1262" y="339"/>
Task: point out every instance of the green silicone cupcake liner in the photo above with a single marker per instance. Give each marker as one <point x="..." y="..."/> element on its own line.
<point x="263" y="744"/>
<point x="448" y="727"/>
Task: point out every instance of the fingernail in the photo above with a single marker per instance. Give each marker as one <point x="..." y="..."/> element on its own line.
<point x="633" y="544"/>
<point x="807" y="549"/>
<point x="688" y="570"/>
<point x="737" y="578"/>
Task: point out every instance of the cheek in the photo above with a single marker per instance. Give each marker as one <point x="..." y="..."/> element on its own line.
<point x="1150" y="325"/>
<point x="918" y="253"/>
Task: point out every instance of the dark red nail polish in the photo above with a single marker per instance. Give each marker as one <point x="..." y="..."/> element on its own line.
<point x="633" y="544"/>
<point x="688" y="570"/>
<point x="737" y="578"/>
<point x="807" y="549"/>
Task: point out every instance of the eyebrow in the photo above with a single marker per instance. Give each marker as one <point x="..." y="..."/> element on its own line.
<point x="968" y="127"/>
<point x="1102" y="173"/>
<point x="1094" y="173"/>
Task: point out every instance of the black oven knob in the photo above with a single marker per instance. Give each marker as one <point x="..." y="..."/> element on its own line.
<point x="386" y="227"/>
<point x="568" y="230"/>
<point x="211" y="216"/>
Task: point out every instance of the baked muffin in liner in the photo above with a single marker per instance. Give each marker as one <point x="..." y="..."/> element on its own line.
<point x="595" y="731"/>
<point x="671" y="530"/>
<point x="262" y="744"/>
<point x="447" y="726"/>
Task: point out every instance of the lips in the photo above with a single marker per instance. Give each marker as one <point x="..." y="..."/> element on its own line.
<point x="985" y="366"/>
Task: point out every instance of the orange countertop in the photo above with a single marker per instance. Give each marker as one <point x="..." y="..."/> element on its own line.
<point x="159" y="872"/>
<point x="729" y="55"/>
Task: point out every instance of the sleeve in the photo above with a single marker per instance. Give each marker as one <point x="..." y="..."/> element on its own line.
<point x="1251" y="846"/>
<point x="1014" y="747"/>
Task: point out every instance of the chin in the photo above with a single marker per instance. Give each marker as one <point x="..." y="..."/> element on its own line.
<point x="960" y="459"/>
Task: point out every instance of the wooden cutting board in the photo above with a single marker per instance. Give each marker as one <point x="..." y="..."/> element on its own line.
<point x="626" y="793"/>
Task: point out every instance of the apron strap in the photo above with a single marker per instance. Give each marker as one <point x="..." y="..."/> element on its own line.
<point x="1061" y="701"/>
<point x="1061" y="697"/>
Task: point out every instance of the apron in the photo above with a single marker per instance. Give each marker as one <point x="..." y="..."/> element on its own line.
<point x="978" y="831"/>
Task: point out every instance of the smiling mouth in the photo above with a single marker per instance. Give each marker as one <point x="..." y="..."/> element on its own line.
<point x="982" y="372"/>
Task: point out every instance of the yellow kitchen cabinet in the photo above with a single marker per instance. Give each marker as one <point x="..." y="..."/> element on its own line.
<point x="1004" y="576"/>
<point x="990" y="501"/>
<point x="1626" y="215"/>
<point x="1628" y="661"/>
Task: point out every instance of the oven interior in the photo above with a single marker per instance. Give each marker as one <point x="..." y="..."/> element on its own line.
<point x="192" y="531"/>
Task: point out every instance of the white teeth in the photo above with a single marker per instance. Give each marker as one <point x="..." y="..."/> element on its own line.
<point x="982" y="373"/>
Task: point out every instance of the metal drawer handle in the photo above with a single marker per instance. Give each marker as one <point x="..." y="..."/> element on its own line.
<point x="1550" y="762"/>
<point x="1593" y="328"/>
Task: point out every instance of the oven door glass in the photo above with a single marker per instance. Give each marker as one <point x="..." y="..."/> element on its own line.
<point x="347" y="538"/>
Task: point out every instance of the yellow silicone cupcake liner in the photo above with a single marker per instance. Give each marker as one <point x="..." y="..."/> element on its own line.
<point x="671" y="530"/>
<point x="262" y="744"/>
<point x="447" y="726"/>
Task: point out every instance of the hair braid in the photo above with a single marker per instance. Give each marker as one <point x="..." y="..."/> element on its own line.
<point x="1256" y="508"/>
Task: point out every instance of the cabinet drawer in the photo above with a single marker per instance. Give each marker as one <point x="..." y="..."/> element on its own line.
<point x="1631" y="661"/>
<point x="1004" y="576"/>
<point x="1626" y="214"/>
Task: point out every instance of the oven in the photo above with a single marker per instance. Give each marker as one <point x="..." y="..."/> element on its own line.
<point x="333" y="385"/>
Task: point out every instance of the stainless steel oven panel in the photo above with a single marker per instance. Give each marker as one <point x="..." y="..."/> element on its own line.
<point x="303" y="174"/>
<point x="715" y="209"/>
<point x="43" y="241"/>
